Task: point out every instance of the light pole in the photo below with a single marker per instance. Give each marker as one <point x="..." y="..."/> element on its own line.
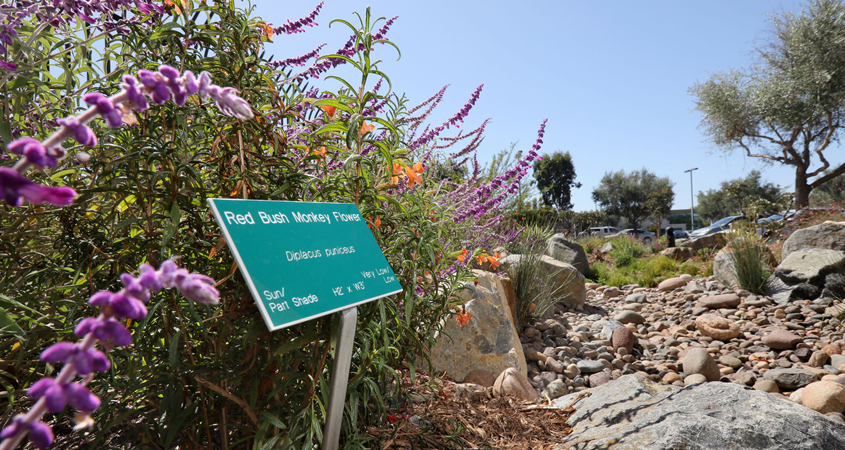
<point x="691" y="202"/>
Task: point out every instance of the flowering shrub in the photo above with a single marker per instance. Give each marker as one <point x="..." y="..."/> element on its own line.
<point x="225" y="381"/>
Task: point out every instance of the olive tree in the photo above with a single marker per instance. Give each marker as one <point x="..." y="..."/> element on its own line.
<point x="787" y="108"/>
<point x="634" y="196"/>
<point x="555" y="175"/>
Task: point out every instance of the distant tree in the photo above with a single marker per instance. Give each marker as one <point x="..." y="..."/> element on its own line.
<point x="555" y="175"/>
<point x="633" y="196"/>
<point x="729" y="199"/>
<point x="788" y="107"/>
<point x="659" y="204"/>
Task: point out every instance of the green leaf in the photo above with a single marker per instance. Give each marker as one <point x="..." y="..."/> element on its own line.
<point x="8" y="326"/>
<point x="6" y="131"/>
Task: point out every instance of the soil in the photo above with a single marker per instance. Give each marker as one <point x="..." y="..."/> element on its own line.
<point x="439" y="419"/>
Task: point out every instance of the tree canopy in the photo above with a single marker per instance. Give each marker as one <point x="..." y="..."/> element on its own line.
<point x="555" y="175"/>
<point x="788" y="107"/>
<point x="634" y="196"/>
<point x="730" y="197"/>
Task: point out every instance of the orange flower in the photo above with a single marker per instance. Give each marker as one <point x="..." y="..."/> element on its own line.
<point x="463" y="318"/>
<point x="494" y="260"/>
<point x="321" y="152"/>
<point x="366" y="128"/>
<point x="397" y="169"/>
<point x="413" y="177"/>
<point x="418" y="168"/>
<point x="378" y="222"/>
<point x="462" y="257"/>
<point x="330" y="110"/>
<point x="172" y="3"/>
<point x="268" y="30"/>
<point x="480" y="260"/>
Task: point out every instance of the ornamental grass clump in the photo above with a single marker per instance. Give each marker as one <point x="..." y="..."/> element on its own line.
<point x="748" y="257"/>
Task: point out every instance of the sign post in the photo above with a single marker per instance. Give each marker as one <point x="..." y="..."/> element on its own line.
<point x="305" y="260"/>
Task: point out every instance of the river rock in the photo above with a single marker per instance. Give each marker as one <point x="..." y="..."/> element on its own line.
<point x="512" y="382"/>
<point x="720" y="301"/>
<point x="824" y="397"/>
<point x="671" y="284"/>
<point x="587" y="366"/>
<point x="716" y="327"/>
<point x="629" y="317"/>
<point x="790" y="378"/>
<point x="623" y="337"/>
<point x="780" y="339"/>
<point x="555" y="389"/>
<point x="634" y="413"/>
<point x="480" y="377"/>
<point x="698" y="360"/>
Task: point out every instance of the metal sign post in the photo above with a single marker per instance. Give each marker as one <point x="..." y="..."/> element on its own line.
<point x="305" y="260"/>
<point x="340" y="377"/>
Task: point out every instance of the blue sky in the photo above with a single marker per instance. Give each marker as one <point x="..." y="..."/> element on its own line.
<point x="612" y="77"/>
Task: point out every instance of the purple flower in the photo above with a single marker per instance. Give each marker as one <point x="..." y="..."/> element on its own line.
<point x="7" y="66"/>
<point x="16" y="188"/>
<point x="80" y="131"/>
<point x="34" y="152"/>
<point x="296" y="26"/>
<point x="137" y="99"/>
<point x="110" y="332"/>
<point x="84" y="361"/>
<point x="39" y="433"/>
<point x="196" y="287"/>
<point x="154" y="83"/>
<point x="105" y="108"/>
<point x="56" y="396"/>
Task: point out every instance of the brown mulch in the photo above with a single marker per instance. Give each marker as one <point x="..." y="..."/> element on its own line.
<point x="439" y="419"/>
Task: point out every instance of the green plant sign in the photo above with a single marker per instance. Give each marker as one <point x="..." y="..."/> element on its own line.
<point x="304" y="260"/>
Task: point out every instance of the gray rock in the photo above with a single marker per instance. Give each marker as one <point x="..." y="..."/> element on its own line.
<point x="809" y="265"/>
<point x="633" y="413"/>
<point x="629" y="317"/>
<point x="790" y="378"/>
<point x="555" y="389"/>
<point x="635" y="298"/>
<point x="588" y="366"/>
<point x="608" y="328"/>
<point x="562" y="249"/>
<point x="699" y="361"/>
<point x="829" y="235"/>
<point x="714" y="241"/>
<point x="724" y="269"/>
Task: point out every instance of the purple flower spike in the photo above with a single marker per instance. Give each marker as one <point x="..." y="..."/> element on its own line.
<point x="149" y="278"/>
<point x="137" y="99"/>
<point x="105" y="108"/>
<point x="154" y="82"/>
<point x="128" y="307"/>
<point x="39" y="433"/>
<point x="197" y="288"/>
<point x="34" y="152"/>
<point x="109" y="331"/>
<point x="81" y="132"/>
<point x="61" y="351"/>
<point x="80" y="397"/>
<point x="15" y="188"/>
<point x="191" y="85"/>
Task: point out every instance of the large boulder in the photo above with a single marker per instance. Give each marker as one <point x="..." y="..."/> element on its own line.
<point x="503" y="286"/>
<point x="714" y="241"/>
<point x="488" y="342"/>
<point x="634" y="413"/>
<point x="807" y="274"/>
<point x="829" y="235"/>
<point x="562" y="249"/>
<point x="563" y="279"/>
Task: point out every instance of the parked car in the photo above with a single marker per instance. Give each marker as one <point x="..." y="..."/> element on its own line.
<point x="646" y="237"/>
<point x="603" y="231"/>
<point x="716" y="227"/>
<point x="680" y="234"/>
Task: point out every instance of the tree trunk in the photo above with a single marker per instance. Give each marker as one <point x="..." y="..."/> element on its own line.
<point x="802" y="189"/>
